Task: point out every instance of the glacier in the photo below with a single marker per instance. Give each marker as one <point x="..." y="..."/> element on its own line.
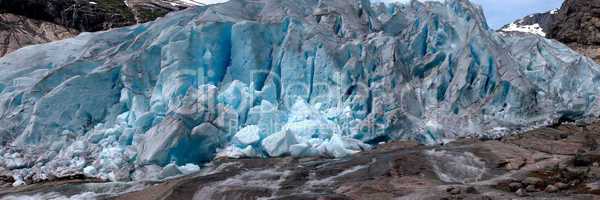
<point x="267" y="78"/>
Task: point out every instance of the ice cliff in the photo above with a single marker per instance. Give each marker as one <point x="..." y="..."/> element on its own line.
<point x="263" y="78"/>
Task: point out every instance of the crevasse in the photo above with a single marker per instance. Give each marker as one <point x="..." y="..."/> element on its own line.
<point x="268" y="78"/>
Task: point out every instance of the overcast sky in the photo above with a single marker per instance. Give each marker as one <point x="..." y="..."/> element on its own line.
<point x="497" y="12"/>
<point x="501" y="12"/>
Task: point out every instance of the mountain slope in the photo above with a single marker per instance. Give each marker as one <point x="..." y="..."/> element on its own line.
<point x="270" y="78"/>
<point x="576" y="24"/>
<point x="538" y="23"/>
<point x="92" y="15"/>
<point x="27" y="22"/>
<point x="18" y="31"/>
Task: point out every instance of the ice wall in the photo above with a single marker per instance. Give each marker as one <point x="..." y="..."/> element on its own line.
<point x="272" y="78"/>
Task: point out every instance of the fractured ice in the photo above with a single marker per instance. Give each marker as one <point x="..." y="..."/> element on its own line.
<point x="268" y="78"/>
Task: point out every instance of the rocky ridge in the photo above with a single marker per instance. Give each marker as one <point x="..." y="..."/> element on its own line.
<point x="18" y="31"/>
<point x="537" y="23"/>
<point x="576" y="24"/>
<point x="27" y="22"/>
<point x="560" y="162"/>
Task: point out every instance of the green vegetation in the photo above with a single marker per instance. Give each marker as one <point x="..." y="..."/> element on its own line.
<point x="118" y="6"/>
<point x="146" y="15"/>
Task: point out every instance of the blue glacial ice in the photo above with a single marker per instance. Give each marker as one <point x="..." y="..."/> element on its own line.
<point x="267" y="78"/>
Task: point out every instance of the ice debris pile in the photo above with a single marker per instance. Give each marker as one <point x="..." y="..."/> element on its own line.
<point x="267" y="78"/>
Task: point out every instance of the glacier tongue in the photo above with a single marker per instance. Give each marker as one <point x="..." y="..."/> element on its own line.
<point x="272" y="78"/>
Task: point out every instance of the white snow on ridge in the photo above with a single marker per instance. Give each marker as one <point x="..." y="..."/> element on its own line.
<point x="534" y="29"/>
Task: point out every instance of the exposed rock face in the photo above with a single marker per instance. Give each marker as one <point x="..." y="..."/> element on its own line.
<point x="317" y="77"/>
<point x="576" y="23"/>
<point x="148" y="10"/>
<point x="92" y="15"/>
<point x="18" y="31"/>
<point x="532" y="165"/>
<point x="27" y="22"/>
<point x="538" y="23"/>
<point x="82" y="15"/>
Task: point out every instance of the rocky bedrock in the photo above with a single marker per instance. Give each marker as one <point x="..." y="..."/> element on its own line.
<point x="29" y="22"/>
<point x="576" y="23"/>
<point x="18" y="31"/>
<point x="561" y="162"/>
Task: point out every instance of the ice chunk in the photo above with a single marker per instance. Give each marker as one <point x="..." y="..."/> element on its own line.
<point x="162" y="141"/>
<point x="307" y="129"/>
<point x="231" y="151"/>
<point x="302" y="150"/>
<point x="250" y="152"/>
<point x="206" y="138"/>
<point x="144" y="121"/>
<point x="248" y="135"/>
<point x="279" y="143"/>
<point x="147" y="172"/>
<point x="18" y="182"/>
<point x="336" y="147"/>
<point x="14" y="160"/>
<point x="111" y="164"/>
<point x="172" y="140"/>
<point x="267" y="117"/>
<point x="90" y="171"/>
<point x="237" y="96"/>
<point x="188" y="168"/>
<point x="169" y="171"/>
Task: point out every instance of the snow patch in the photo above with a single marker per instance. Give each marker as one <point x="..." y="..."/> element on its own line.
<point x="533" y="29"/>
